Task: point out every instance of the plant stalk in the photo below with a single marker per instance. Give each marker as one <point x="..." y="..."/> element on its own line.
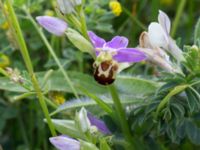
<point x="121" y="114"/>
<point x="177" y="17"/>
<point x="28" y="63"/>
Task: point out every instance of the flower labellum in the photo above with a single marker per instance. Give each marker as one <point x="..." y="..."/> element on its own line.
<point x="105" y="73"/>
<point x="101" y="126"/>
<point x="110" y="55"/>
<point x="54" y="25"/>
<point x="65" y="143"/>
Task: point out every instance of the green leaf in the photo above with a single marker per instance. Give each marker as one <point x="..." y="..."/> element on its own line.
<point x="193" y="132"/>
<point x="135" y="85"/>
<point x="178" y="110"/>
<point x="197" y="32"/>
<point x="192" y="101"/>
<point x="126" y="85"/>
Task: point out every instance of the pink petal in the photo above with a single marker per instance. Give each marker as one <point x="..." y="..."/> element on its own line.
<point x="96" y="40"/>
<point x="117" y="42"/>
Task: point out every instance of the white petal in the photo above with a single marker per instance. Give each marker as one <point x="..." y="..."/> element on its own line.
<point x="164" y="21"/>
<point x="157" y="35"/>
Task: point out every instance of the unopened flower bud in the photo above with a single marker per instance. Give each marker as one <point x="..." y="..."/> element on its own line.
<point x="80" y="42"/>
<point x="64" y="142"/>
<point x="52" y="24"/>
<point x="82" y="120"/>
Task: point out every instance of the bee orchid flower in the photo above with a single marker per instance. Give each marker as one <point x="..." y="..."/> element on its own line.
<point x="110" y="55"/>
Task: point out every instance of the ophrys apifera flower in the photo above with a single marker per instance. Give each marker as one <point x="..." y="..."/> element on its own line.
<point x="110" y="55"/>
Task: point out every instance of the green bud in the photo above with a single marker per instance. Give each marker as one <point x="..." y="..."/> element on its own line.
<point x="82" y="120"/>
<point x="80" y="42"/>
<point x="87" y="146"/>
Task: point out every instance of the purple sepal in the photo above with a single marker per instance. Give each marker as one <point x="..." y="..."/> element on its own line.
<point x="96" y="41"/>
<point x="54" y="25"/>
<point x="129" y="55"/>
<point x="101" y="126"/>
<point x="65" y="143"/>
<point x="117" y="42"/>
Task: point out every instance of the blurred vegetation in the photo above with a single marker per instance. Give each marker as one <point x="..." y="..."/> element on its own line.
<point x="21" y="121"/>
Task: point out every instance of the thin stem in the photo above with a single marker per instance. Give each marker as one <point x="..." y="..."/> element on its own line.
<point x="177" y="17"/>
<point x="197" y="82"/>
<point x="83" y="25"/>
<point x="98" y="100"/>
<point x="53" y="54"/>
<point x="121" y="114"/>
<point x="28" y="63"/>
<point x="134" y="19"/>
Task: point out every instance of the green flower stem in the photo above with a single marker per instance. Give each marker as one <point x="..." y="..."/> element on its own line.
<point x="27" y="60"/>
<point x="99" y="101"/>
<point x="177" y="17"/>
<point x="53" y="54"/>
<point x="167" y="98"/>
<point x="83" y="25"/>
<point x="121" y="114"/>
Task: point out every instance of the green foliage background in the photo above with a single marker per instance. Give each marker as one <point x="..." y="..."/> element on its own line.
<point x="21" y="120"/>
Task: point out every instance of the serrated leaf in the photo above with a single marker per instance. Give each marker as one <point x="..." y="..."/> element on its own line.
<point x="178" y="110"/>
<point x="166" y="99"/>
<point x="193" y="132"/>
<point x="192" y="100"/>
